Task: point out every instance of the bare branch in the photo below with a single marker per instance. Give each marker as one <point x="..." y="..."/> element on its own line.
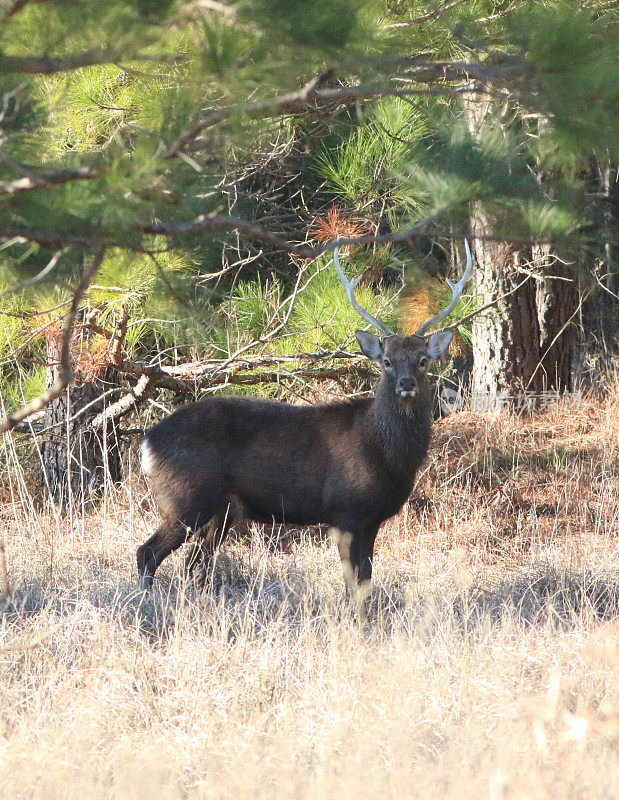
<point x="159" y="378"/>
<point x="48" y="180"/>
<point x="205" y="222"/>
<point x="126" y="403"/>
<point x="38" y="277"/>
<point x="65" y="374"/>
<point x="210" y="373"/>
<point x="56" y="239"/>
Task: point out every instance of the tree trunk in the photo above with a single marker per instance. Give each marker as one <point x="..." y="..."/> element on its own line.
<point x="506" y="339"/>
<point x="557" y="301"/>
<point x="523" y="346"/>
<point x="77" y="460"/>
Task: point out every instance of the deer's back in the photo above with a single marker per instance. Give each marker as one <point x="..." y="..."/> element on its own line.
<point x="300" y="464"/>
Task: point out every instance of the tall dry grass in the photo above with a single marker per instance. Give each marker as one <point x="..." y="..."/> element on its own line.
<point x="489" y="666"/>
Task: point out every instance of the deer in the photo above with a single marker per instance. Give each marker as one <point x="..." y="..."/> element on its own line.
<point x="349" y="465"/>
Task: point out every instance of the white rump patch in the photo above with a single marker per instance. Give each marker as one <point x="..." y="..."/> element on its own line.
<point x="147" y="457"/>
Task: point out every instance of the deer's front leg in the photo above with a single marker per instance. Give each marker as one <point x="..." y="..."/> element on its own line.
<point x="356" y="550"/>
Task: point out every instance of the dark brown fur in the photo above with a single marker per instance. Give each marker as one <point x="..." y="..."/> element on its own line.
<point x="349" y="465"/>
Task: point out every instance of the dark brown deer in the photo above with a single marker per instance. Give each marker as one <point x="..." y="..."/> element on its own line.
<point x="350" y="465"/>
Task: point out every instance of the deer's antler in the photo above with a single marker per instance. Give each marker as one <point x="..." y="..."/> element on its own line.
<point x="456" y="290"/>
<point x="350" y="291"/>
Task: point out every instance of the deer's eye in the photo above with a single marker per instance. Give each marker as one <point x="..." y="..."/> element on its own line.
<point x="386" y="362"/>
<point x="423" y="361"/>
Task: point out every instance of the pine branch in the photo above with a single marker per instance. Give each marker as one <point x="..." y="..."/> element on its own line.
<point x="48" y="180"/>
<point x="56" y="239"/>
<point x="308" y="98"/>
<point x="16" y="6"/>
<point x="65" y="373"/>
<point x="205" y="222"/>
<point x="50" y="65"/>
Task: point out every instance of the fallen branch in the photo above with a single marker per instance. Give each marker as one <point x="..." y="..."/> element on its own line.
<point x="125" y="404"/>
<point x="65" y="373"/>
<point x="159" y="378"/>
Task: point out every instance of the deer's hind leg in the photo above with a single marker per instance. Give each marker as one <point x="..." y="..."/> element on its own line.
<point x="205" y="543"/>
<point x="170" y="535"/>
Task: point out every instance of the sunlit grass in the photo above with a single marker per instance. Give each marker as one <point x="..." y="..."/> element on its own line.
<point x="489" y="666"/>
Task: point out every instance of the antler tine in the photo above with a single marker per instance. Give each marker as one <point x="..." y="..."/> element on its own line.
<point x="350" y="291"/>
<point x="456" y="291"/>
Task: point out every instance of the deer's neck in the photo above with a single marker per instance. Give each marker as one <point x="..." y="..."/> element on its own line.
<point x="401" y="430"/>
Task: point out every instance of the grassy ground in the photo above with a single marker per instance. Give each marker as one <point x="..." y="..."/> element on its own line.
<point x="489" y="667"/>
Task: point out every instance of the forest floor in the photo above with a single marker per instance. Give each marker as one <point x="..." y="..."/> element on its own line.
<point x="489" y="666"/>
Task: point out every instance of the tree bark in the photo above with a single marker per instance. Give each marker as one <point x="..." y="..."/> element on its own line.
<point x="506" y="340"/>
<point x="523" y="346"/>
<point x="76" y="459"/>
<point x="557" y="301"/>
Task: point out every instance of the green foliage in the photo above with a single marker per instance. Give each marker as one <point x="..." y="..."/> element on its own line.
<point x="494" y="168"/>
<point x="323" y="315"/>
<point x="368" y="164"/>
<point x="574" y="53"/>
<point x="315" y="23"/>
<point x="389" y="162"/>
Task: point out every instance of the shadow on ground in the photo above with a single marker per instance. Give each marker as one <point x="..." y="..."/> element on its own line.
<point x="245" y="600"/>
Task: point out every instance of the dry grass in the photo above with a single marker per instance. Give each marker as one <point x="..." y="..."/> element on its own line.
<point x="489" y="667"/>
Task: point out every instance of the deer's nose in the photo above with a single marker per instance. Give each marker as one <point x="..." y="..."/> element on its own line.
<point x="408" y="384"/>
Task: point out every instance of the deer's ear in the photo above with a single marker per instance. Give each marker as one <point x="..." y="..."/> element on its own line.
<point x="369" y="344"/>
<point x="438" y="344"/>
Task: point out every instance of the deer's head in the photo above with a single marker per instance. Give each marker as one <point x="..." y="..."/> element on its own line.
<point x="404" y="359"/>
